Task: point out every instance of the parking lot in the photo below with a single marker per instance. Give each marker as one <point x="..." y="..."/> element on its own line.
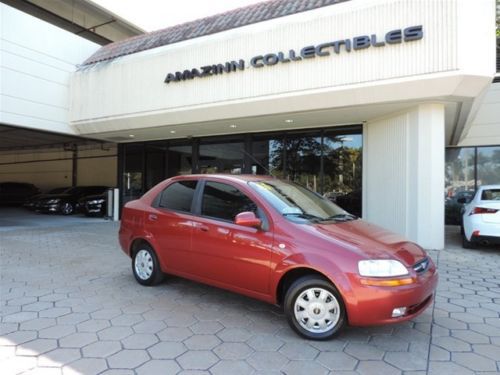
<point x="70" y="305"/>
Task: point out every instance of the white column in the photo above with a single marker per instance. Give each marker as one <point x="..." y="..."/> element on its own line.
<point x="403" y="174"/>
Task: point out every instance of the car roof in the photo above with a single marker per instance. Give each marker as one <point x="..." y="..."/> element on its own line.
<point x="486" y="187"/>
<point x="228" y="177"/>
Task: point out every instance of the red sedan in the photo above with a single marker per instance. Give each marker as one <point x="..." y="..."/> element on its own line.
<point x="278" y="242"/>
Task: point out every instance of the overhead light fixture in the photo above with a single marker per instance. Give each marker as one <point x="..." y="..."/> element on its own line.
<point x="131" y="136"/>
<point x="289" y="121"/>
<point x="233" y="126"/>
<point x="172" y="131"/>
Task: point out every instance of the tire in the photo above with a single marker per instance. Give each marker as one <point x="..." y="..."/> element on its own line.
<point x="145" y="266"/>
<point x="67" y="208"/>
<point x="466" y="244"/>
<point x="299" y="309"/>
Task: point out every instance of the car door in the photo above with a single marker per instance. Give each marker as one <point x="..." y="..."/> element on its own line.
<point x="170" y="223"/>
<point x="233" y="255"/>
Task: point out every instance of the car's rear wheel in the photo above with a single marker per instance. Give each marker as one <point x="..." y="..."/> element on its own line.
<point x="67" y="208"/>
<point x="314" y="308"/>
<point x="466" y="244"/>
<point x="146" y="267"/>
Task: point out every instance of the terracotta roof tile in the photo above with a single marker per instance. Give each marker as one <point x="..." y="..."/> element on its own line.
<point x="259" y="12"/>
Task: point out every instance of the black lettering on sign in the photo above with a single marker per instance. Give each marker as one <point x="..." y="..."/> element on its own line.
<point x="361" y="42"/>
<point x="255" y="62"/>
<point x="320" y="49"/>
<point x="308" y="52"/>
<point x="413" y="33"/>
<point x="393" y="37"/>
<point x="271" y="59"/>
<point x="207" y="71"/>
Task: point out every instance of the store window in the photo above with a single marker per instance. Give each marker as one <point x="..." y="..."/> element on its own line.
<point x="488" y="165"/>
<point x="327" y="161"/>
<point x="155" y="165"/>
<point x="466" y="169"/>
<point x="133" y="172"/>
<point x="267" y="156"/>
<point x="224" y="157"/>
<point x="343" y="165"/>
<point x="180" y="160"/>
<point x="303" y="160"/>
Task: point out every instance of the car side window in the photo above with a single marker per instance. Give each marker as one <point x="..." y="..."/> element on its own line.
<point x="223" y="201"/>
<point x="178" y="196"/>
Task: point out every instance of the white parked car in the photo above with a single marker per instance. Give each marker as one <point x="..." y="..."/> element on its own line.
<point x="481" y="218"/>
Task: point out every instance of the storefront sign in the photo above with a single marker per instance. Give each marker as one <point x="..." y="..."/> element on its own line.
<point x="321" y="50"/>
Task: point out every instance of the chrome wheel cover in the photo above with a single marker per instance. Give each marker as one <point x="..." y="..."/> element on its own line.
<point x="67" y="208"/>
<point x="316" y="310"/>
<point x="143" y="264"/>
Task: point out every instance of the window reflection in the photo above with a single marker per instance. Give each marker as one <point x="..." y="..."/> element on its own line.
<point x="133" y="172"/>
<point x="267" y="157"/>
<point x="221" y="158"/>
<point x="488" y="166"/>
<point x="342" y="170"/>
<point x="303" y="161"/>
<point x="179" y="160"/>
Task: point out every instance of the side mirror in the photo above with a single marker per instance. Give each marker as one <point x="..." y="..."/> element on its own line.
<point x="462" y="200"/>
<point x="247" y="219"/>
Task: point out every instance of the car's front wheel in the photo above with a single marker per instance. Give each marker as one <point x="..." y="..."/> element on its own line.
<point x="314" y="308"/>
<point x="146" y="267"/>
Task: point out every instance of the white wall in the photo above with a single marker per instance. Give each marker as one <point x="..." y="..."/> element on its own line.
<point x="403" y="174"/>
<point x="129" y="92"/>
<point x="484" y="129"/>
<point x="36" y="61"/>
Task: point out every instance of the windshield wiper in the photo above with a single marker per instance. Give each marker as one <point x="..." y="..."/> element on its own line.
<point x="303" y="215"/>
<point x="342" y="217"/>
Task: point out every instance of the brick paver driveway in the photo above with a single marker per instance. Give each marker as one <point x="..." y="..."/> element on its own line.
<point x="69" y="304"/>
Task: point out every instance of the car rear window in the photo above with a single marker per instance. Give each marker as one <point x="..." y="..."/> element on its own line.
<point x="490" y="195"/>
<point x="178" y="196"/>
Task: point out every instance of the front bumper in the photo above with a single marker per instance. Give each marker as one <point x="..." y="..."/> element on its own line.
<point x="94" y="209"/>
<point x="48" y="207"/>
<point x="486" y="240"/>
<point x="374" y="305"/>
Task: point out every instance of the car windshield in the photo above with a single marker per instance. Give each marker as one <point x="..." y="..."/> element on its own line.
<point x="298" y="203"/>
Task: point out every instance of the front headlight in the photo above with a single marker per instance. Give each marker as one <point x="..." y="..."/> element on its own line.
<point x="54" y="201"/>
<point x="381" y="268"/>
<point x="96" y="201"/>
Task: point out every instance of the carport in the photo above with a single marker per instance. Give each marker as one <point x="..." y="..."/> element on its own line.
<point x="51" y="160"/>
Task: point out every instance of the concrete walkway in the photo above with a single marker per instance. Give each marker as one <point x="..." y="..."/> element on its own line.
<point x="70" y="305"/>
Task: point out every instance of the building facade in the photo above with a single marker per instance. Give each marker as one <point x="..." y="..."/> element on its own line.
<point x="358" y="100"/>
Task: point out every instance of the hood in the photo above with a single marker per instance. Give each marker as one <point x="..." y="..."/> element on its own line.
<point x="372" y="241"/>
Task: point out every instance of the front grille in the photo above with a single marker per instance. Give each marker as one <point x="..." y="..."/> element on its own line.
<point x="421" y="266"/>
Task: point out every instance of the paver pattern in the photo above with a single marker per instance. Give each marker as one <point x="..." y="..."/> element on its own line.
<point x="70" y="305"/>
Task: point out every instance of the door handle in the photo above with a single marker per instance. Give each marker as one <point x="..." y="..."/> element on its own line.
<point x="152" y="217"/>
<point x="201" y="227"/>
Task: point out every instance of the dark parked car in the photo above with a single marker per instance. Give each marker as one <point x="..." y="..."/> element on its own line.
<point x="94" y="205"/>
<point x="31" y="202"/>
<point x="16" y="193"/>
<point x="453" y="206"/>
<point x="281" y="243"/>
<point x="66" y="202"/>
<point x="351" y="202"/>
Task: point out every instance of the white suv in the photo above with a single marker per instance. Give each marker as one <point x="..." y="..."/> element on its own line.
<point x="481" y="218"/>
